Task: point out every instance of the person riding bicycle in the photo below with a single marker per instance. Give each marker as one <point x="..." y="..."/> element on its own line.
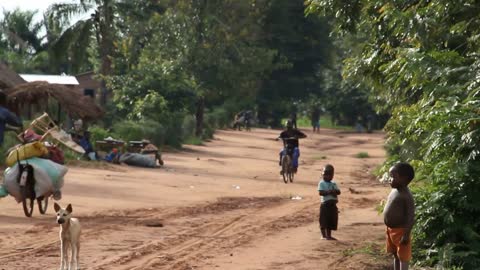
<point x="290" y="138"/>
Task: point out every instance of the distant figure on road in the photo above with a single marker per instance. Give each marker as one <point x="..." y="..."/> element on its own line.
<point x="358" y="125"/>
<point x="248" y="120"/>
<point x="243" y="118"/>
<point x="293" y="117"/>
<point x="239" y="120"/>
<point x="315" y="118"/>
<point x="370" y="123"/>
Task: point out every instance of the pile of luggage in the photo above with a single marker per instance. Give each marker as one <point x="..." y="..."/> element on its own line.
<point x="49" y="171"/>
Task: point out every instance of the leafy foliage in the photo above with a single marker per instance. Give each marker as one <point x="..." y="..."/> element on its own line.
<point x="168" y="61"/>
<point x="419" y="58"/>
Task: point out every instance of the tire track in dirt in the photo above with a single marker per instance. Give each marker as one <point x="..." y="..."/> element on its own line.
<point x="241" y="232"/>
<point x="41" y="240"/>
<point x="39" y="246"/>
<point x="213" y="236"/>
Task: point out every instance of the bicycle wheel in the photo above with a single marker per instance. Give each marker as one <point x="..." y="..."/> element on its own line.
<point x="42" y="204"/>
<point x="27" y="199"/>
<point x="285" y="166"/>
<point x="291" y="174"/>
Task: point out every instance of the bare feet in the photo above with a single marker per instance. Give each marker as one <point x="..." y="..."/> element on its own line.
<point x="332" y="238"/>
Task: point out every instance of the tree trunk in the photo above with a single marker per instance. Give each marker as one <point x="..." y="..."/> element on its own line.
<point x="105" y="43"/>
<point x="105" y="71"/>
<point x="199" y="116"/>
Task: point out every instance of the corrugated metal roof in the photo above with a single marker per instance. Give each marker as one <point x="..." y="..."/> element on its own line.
<point x="56" y="79"/>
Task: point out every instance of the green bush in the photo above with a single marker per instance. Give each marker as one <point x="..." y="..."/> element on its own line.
<point x="70" y="155"/>
<point x="216" y="119"/>
<point x="325" y="122"/>
<point x="220" y="118"/>
<point x="137" y="130"/>
<point x="441" y="143"/>
<point x="362" y="155"/>
<point x="173" y="129"/>
<point x="208" y="129"/>
<point x="9" y="141"/>
<point x="188" y="126"/>
<point x="98" y="133"/>
<point x="193" y="141"/>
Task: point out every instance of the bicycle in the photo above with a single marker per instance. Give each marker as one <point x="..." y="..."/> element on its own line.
<point x="26" y="177"/>
<point x="288" y="171"/>
<point x="26" y="181"/>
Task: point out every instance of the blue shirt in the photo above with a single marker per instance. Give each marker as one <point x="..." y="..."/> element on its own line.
<point x="324" y="185"/>
<point x="7" y="117"/>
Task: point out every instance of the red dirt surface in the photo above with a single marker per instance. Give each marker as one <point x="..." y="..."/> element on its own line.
<point x="218" y="206"/>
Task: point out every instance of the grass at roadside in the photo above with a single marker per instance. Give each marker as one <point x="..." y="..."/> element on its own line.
<point x="372" y="249"/>
<point x="325" y="122"/>
<point x="362" y="155"/>
<point x="193" y="141"/>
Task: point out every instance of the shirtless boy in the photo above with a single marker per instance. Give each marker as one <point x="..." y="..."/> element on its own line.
<point x="399" y="215"/>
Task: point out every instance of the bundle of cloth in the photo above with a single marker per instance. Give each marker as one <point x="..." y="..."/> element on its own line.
<point x="135" y="159"/>
<point x="49" y="179"/>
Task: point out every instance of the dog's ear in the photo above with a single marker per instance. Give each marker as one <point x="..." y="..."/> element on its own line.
<point x="69" y="208"/>
<point x="56" y="207"/>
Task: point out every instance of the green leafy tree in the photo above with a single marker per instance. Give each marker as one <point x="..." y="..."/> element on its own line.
<point x="20" y="32"/>
<point x="20" y="42"/>
<point x="207" y="50"/>
<point x="226" y="57"/>
<point x="420" y="61"/>
<point x="100" y="26"/>
<point x="303" y="51"/>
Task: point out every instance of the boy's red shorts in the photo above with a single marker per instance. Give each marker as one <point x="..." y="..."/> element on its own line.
<point x="404" y="252"/>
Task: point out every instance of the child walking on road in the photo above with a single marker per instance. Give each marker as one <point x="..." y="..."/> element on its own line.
<point x="399" y="215"/>
<point x="328" y="190"/>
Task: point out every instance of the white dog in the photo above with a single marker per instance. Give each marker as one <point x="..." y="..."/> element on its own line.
<point x="69" y="236"/>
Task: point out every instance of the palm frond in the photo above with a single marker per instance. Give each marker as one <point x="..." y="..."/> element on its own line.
<point x="79" y="49"/>
<point x="73" y="37"/>
<point x="66" y="11"/>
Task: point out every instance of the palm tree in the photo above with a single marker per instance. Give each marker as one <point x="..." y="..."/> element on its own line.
<point x="21" y="33"/>
<point x="20" y="42"/>
<point x="76" y="39"/>
<point x="107" y="17"/>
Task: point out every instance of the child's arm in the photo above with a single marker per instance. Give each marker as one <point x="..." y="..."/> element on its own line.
<point x="410" y="215"/>
<point x="336" y="190"/>
<point x="325" y="192"/>
<point x="322" y="191"/>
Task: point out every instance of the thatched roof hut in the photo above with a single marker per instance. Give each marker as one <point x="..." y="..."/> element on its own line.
<point x="71" y="100"/>
<point x="8" y="77"/>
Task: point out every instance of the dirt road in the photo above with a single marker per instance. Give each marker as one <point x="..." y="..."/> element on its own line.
<point x="218" y="206"/>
